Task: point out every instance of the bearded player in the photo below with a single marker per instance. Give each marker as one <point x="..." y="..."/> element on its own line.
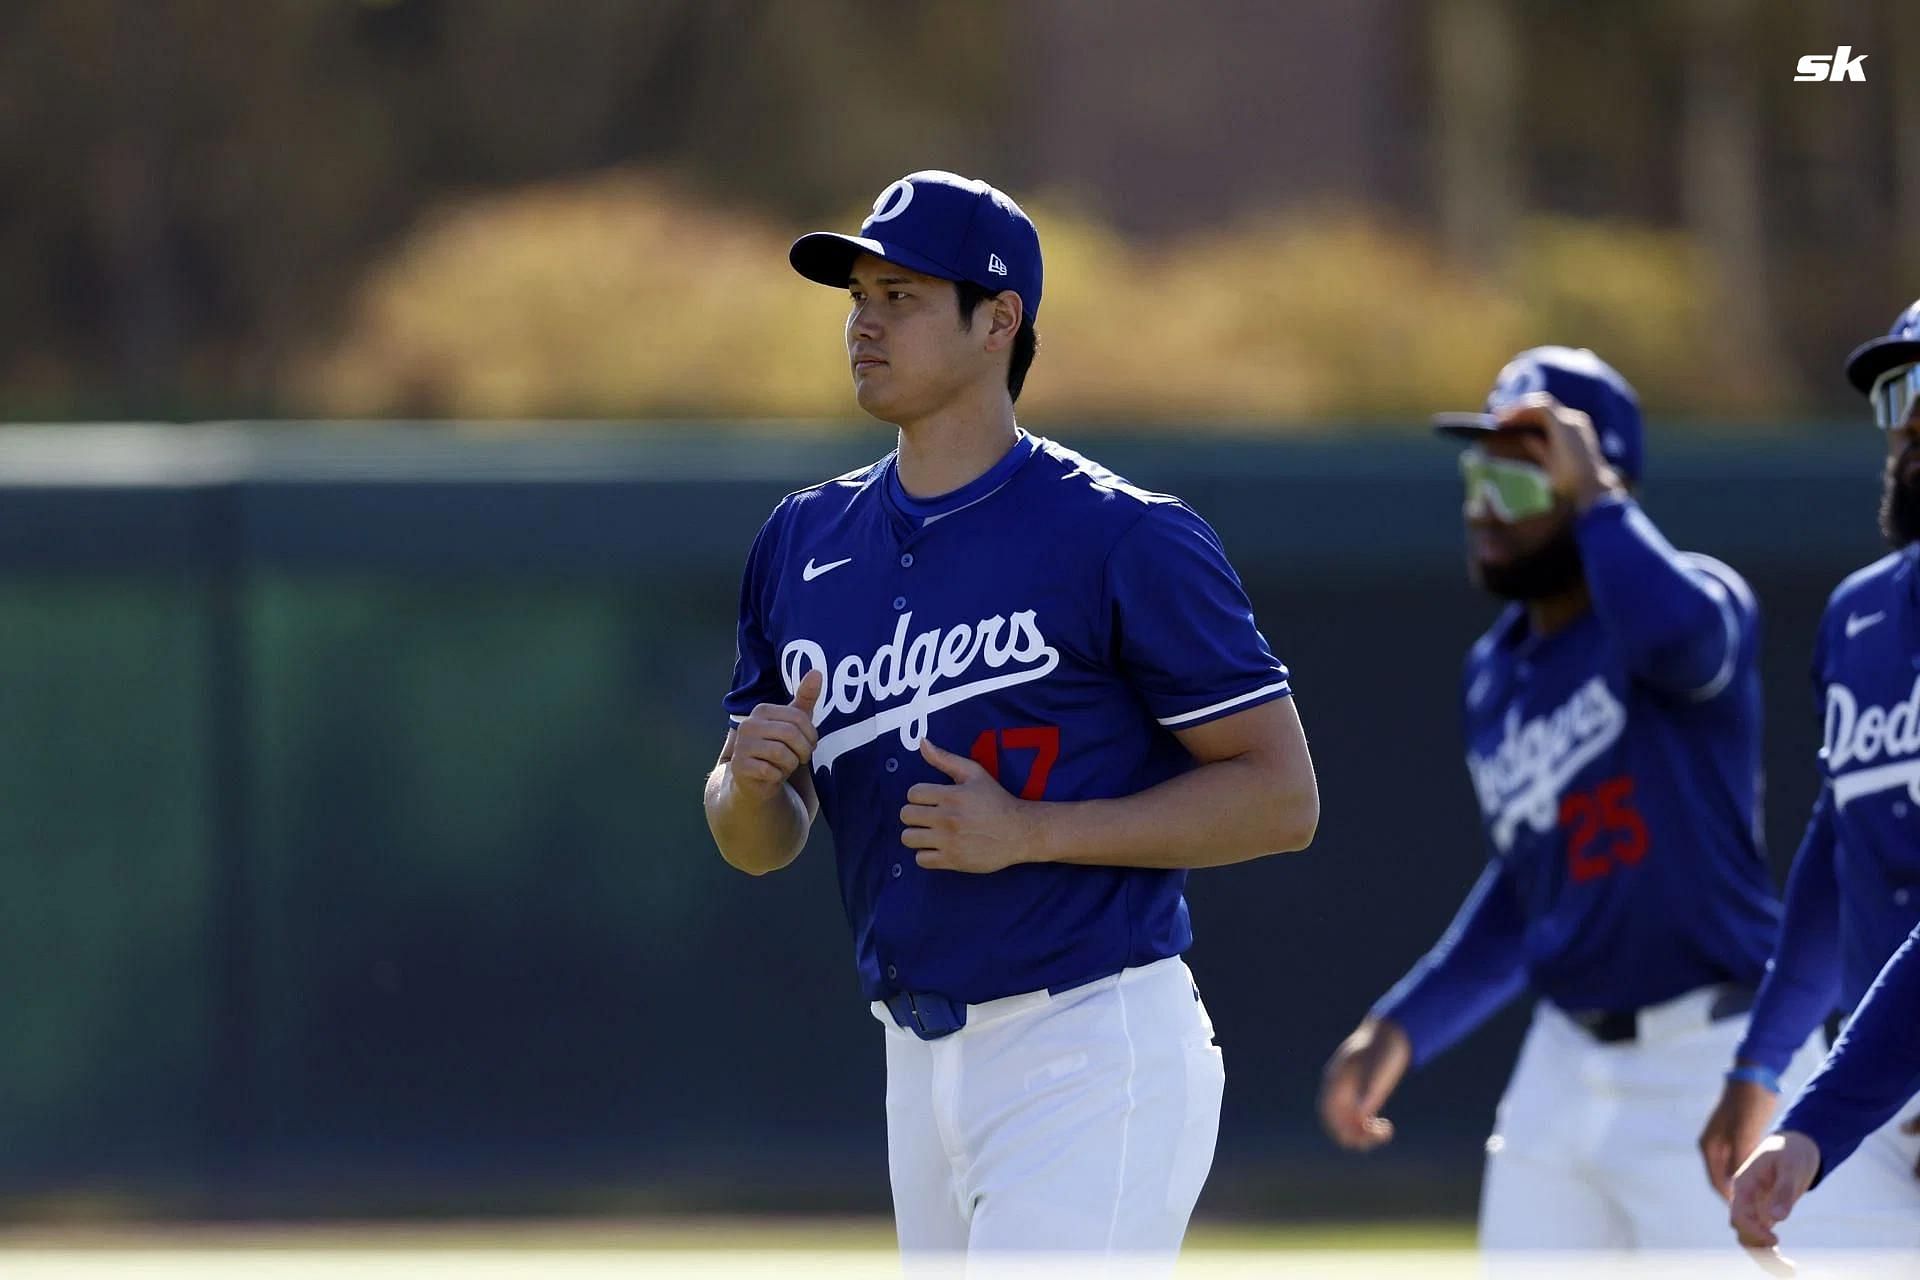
<point x="1027" y="697"/>
<point x="1612" y="719"/>
<point x="1854" y="892"/>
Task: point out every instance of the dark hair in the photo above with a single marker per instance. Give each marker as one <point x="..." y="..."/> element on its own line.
<point x="1025" y="342"/>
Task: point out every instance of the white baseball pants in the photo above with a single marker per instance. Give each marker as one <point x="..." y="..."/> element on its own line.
<point x="1594" y="1145"/>
<point x="1081" y="1121"/>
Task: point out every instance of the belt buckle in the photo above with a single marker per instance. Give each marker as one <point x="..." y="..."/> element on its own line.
<point x="928" y="1016"/>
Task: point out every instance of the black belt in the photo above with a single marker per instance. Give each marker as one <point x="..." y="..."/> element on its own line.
<point x="1619" y="1026"/>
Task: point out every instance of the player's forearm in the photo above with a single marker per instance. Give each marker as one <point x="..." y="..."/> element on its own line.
<point x="1219" y="813"/>
<point x="1873" y="1069"/>
<point x="1803" y="978"/>
<point x="755" y="834"/>
<point x="1479" y="964"/>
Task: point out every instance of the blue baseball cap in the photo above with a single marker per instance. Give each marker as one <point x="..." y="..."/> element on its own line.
<point x="1900" y="346"/>
<point x="1578" y="379"/>
<point x="939" y="224"/>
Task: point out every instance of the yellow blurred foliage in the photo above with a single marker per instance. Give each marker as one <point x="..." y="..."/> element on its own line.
<point x="620" y="296"/>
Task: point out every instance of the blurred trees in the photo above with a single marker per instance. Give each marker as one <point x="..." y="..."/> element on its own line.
<point x="196" y="196"/>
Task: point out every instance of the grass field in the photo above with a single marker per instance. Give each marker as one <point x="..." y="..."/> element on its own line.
<point x="756" y="1235"/>
<point x="799" y="1249"/>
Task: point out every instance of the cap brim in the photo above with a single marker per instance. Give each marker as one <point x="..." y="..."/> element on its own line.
<point x="1464" y="426"/>
<point x="826" y="257"/>
<point x="1871" y="359"/>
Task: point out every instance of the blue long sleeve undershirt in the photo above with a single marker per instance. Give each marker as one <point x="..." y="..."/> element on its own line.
<point x="1874" y="1067"/>
<point x="1803" y="977"/>
<point x="1677" y="626"/>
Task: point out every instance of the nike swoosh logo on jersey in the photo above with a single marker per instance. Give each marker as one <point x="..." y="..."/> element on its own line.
<point x="1856" y="624"/>
<point x="812" y="570"/>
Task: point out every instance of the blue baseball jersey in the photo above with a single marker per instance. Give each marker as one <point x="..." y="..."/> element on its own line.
<point x="1617" y="766"/>
<point x="1854" y="892"/>
<point x="1051" y="621"/>
<point x="1874" y="1067"/>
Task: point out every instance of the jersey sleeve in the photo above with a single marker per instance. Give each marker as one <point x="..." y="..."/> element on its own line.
<point x="1803" y="977"/>
<point x="1683" y="627"/>
<point x="1182" y="627"/>
<point x="1873" y="1069"/>
<point x="1477" y="966"/>
<point x="756" y="665"/>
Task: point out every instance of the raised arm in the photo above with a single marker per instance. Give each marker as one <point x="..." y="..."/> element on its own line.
<point x="1680" y="626"/>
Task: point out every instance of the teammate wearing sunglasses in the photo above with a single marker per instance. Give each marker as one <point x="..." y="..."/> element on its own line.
<point x="1612" y="719"/>
<point x="1854" y="893"/>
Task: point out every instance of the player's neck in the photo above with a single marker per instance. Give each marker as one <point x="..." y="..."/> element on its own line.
<point x="956" y="445"/>
<point x="1556" y="612"/>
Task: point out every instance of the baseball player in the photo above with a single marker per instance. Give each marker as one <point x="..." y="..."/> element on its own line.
<point x="1026" y="696"/>
<point x="1612" y="719"/>
<point x="1873" y="1071"/>
<point x="1854" y="891"/>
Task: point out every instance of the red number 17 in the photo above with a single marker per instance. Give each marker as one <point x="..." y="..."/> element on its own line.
<point x="1043" y="740"/>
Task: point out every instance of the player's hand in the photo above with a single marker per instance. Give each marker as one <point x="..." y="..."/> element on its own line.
<point x="1765" y="1190"/>
<point x="1360" y="1077"/>
<point x="1911" y="1127"/>
<point x="1734" y="1129"/>
<point x="774" y="740"/>
<point x="1566" y="448"/>
<point x="970" y="825"/>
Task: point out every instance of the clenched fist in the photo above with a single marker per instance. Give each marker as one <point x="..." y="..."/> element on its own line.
<point x="775" y="740"/>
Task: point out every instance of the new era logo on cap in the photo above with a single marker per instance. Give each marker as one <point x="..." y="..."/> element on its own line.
<point x="939" y="224"/>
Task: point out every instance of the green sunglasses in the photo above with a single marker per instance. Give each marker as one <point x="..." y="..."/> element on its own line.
<point x="1893" y="396"/>
<point x="1510" y="490"/>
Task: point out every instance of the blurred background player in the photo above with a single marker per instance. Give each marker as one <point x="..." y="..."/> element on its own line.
<point x="1873" y="1071"/>
<point x="1026" y="696"/>
<point x="1854" y="892"/>
<point x="1612" y="718"/>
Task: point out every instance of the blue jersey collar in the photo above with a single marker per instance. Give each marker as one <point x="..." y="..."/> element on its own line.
<point x="921" y="511"/>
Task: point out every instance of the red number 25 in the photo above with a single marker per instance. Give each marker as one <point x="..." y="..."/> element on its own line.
<point x="1606" y="810"/>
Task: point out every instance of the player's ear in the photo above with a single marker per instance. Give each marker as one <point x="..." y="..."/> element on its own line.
<point x="1004" y="319"/>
